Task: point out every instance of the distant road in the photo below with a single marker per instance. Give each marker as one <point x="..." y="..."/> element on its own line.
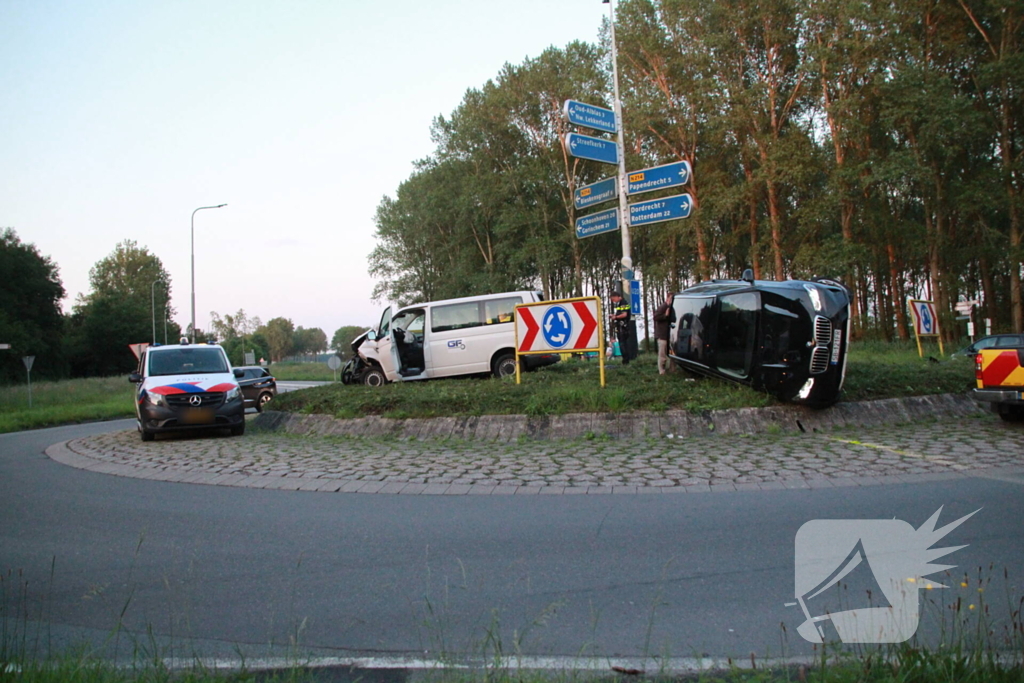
<point x="284" y="386"/>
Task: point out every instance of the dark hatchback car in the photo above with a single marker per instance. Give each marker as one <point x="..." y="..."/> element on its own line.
<point x="788" y="338"/>
<point x="258" y="387"/>
<point x="996" y="341"/>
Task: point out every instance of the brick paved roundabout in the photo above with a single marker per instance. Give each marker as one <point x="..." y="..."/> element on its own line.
<point x="890" y="442"/>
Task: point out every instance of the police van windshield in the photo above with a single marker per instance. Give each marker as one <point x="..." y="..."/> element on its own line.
<point x="187" y="361"/>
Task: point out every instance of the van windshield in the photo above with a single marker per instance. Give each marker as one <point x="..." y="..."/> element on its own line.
<point x="187" y="361"/>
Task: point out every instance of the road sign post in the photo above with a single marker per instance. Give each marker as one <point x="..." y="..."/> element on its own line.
<point x="589" y="116"/>
<point x="28" y="361"/>
<point x="926" y="323"/>
<point x="595" y="149"/>
<point x="596" y="193"/>
<point x="596" y="223"/>
<point x="658" y="178"/>
<point x="660" y="210"/>
<point x="562" y="326"/>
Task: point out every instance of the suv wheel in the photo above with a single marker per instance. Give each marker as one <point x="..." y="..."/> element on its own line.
<point x="374" y="377"/>
<point x="504" y="366"/>
<point x="263" y="400"/>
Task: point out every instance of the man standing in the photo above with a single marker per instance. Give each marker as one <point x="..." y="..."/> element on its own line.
<point x="663" y="319"/>
<point x="621" y="315"/>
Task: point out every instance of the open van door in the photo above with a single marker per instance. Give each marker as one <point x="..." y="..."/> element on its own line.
<point x="386" y="351"/>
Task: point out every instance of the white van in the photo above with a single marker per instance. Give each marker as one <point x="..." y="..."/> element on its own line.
<point x="471" y="335"/>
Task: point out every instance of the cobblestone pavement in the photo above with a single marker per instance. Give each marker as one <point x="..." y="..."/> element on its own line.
<point x="924" y="451"/>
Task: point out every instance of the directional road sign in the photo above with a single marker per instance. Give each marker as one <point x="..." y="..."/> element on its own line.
<point x="596" y="193"/>
<point x="567" y="325"/>
<point x="634" y="297"/>
<point x="595" y="149"/>
<point x="658" y="177"/>
<point x="582" y="114"/>
<point x="658" y="210"/>
<point x="596" y="223"/>
<point x="926" y="323"/>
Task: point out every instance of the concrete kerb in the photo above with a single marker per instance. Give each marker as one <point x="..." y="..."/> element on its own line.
<point x="634" y="425"/>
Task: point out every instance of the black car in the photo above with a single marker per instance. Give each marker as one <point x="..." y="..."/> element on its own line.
<point x="258" y="387"/>
<point x="786" y="338"/>
<point x="996" y="341"/>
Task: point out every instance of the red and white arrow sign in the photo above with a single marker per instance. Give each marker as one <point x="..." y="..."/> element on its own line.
<point x="559" y="326"/>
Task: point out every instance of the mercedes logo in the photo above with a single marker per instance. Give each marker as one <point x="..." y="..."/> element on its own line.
<point x="195" y="400"/>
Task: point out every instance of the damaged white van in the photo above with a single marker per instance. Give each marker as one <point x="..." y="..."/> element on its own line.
<point x="471" y="335"/>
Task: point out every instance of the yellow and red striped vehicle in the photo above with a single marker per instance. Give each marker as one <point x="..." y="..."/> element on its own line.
<point x="1000" y="377"/>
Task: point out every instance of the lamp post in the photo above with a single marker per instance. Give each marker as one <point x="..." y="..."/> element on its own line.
<point x="627" y="260"/>
<point x="152" y="303"/>
<point x="194" y="266"/>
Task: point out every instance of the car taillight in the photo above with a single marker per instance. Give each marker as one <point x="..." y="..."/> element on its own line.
<point x="977" y="367"/>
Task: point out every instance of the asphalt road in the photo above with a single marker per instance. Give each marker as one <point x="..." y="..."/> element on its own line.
<point x="239" y="570"/>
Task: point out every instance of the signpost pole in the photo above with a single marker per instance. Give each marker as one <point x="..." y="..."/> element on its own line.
<point x="627" y="259"/>
<point x="28" y="360"/>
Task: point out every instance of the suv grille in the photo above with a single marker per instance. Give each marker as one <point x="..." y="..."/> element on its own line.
<point x="822" y="331"/>
<point x="207" y="399"/>
<point x="819" y="360"/>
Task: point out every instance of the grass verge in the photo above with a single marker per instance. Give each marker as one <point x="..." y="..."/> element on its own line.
<point x="65" y="402"/>
<point x="874" y="371"/>
<point x="303" y="372"/>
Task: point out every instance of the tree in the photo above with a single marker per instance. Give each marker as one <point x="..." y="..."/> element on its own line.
<point x="30" y="316"/>
<point x="118" y="311"/>
<point x="341" y="342"/>
<point x="278" y="332"/>
<point x="311" y="341"/>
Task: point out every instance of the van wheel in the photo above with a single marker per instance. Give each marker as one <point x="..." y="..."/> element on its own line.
<point x="374" y="377"/>
<point x="504" y="366"/>
<point x="146" y="436"/>
<point x="238" y="429"/>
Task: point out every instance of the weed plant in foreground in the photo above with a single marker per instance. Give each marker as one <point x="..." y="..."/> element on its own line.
<point x="875" y="371"/>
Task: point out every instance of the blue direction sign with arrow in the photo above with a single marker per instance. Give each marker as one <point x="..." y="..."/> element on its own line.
<point x="658" y="177"/>
<point x="582" y="114"/>
<point x="596" y="223"/>
<point x="596" y="193"/>
<point x="658" y="210"/>
<point x="595" y="149"/>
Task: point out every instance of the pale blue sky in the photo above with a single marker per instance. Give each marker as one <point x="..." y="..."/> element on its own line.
<point x="120" y="117"/>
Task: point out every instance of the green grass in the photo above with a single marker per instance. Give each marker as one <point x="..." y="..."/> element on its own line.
<point x="303" y="372"/>
<point x="875" y="370"/>
<point x="64" y="402"/>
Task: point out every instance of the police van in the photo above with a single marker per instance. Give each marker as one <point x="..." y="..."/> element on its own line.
<point x="187" y="386"/>
<point x="471" y="335"/>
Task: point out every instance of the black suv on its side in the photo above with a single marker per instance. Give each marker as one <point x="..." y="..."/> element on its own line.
<point x="786" y="338"/>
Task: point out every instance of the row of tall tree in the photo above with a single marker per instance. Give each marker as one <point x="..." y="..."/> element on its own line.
<point x="878" y="142"/>
<point x="128" y="302"/>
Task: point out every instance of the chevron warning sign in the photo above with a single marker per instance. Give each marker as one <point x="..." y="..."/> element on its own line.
<point x="563" y="326"/>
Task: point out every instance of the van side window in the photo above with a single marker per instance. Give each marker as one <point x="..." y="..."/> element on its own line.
<point x="500" y="310"/>
<point x="455" y="316"/>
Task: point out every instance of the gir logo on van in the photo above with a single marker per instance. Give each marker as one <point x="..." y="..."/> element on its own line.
<point x="457" y="345"/>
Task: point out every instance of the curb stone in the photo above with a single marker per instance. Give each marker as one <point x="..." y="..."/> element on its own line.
<point x="633" y="425"/>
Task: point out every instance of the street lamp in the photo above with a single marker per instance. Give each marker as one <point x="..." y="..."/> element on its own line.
<point x="152" y="303"/>
<point x="194" y="266"/>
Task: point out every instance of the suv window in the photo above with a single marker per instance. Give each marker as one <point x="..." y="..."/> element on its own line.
<point x="737" y="329"/>
<point x="187" y="361"/>
<point x="1007" y="341"/>
<point x="693" y="320"/>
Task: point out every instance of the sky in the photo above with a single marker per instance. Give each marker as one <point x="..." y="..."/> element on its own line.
<point x="120" y="117"/>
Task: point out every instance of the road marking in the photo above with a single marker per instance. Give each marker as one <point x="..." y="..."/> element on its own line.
<point x="938" y="460"/>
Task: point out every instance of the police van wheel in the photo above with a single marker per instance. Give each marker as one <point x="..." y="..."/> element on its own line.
<point x="146" y="436"/>
<point x="504" y="366"/>
<point x="374" y="377"/>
